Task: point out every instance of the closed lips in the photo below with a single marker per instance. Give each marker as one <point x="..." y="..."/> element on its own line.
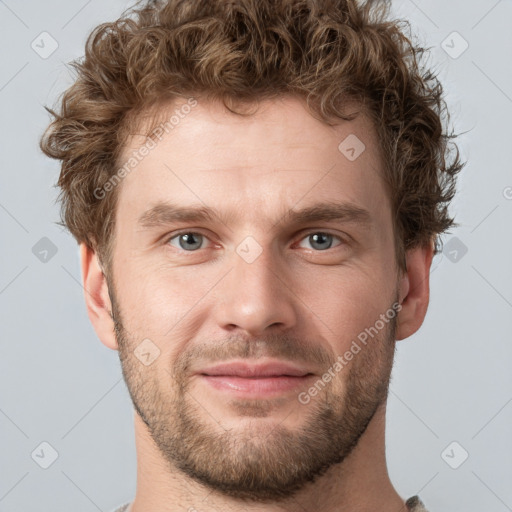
<point x="255" y="371"/>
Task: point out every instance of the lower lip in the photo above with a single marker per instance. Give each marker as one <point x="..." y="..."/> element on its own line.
<point x="256" y="386"/>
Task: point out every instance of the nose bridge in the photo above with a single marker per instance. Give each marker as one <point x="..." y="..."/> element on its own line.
<point x="253" y="296"/>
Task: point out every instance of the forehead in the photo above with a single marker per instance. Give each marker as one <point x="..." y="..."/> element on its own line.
<point x="278" y="156"/>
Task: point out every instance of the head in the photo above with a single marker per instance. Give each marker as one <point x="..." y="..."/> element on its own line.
<point x="256" y="181"/>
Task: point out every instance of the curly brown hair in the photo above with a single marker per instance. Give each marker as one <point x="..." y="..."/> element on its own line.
<point x="325" y="51"/>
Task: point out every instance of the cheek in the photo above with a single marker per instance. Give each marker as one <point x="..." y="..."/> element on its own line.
<point x="349" y="301"/>
<point x="162" y="304"/>
<point x="156" y="296"/>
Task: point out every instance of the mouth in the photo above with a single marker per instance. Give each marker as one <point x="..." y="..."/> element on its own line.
<point x="250" y="380"/>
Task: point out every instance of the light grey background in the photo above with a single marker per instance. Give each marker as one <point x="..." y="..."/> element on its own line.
<point x="451" y="381"/>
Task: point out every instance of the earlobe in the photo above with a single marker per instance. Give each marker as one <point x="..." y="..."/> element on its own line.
<point x="414" y="290"/>
<point x="97" y="299"/>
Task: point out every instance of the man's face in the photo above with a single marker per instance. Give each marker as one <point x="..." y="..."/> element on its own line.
<point x="253" y="287"/>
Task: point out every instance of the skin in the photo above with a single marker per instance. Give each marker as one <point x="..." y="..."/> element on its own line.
<point x="294" y="302"/>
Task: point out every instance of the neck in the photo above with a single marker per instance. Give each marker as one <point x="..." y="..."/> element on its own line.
<point x="361" y="482"/>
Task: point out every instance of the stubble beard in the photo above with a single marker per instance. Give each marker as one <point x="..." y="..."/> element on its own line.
<point x="266" y="461"/>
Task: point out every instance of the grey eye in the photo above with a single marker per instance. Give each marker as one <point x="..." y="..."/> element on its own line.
<point x="188" y="241"/>
<point x="321" y="241"/>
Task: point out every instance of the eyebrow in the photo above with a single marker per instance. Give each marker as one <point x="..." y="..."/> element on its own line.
<point x="164" y="213"/>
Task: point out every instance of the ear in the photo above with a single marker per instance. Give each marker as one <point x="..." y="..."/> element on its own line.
<point x="97" y="299"/>
<point x="414" y="290"/>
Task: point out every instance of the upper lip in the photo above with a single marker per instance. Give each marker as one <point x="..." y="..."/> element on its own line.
<point x="270" y="369"/>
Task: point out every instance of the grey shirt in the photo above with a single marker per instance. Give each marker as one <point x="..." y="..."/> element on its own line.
<point x="414" y="504"/>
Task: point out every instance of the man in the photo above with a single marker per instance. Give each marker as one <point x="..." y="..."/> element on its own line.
<point x="257" y="187"/>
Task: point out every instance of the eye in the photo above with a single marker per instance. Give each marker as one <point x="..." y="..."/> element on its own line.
<point x="321" y="241"/>
<point x="192" y="241"/>
<point x="188" y="241"/>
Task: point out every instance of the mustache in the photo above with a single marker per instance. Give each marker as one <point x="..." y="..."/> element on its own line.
<point x="277" y="345"/>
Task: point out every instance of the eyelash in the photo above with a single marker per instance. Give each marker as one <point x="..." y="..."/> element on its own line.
<point x="305" y="235"/>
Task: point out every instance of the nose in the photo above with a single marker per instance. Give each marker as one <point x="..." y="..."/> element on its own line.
<point x="255" y="296"/>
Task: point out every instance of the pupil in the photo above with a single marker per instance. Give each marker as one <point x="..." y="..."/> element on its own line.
<point x="189" y="239"/>
<point x="320" y="238"/>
